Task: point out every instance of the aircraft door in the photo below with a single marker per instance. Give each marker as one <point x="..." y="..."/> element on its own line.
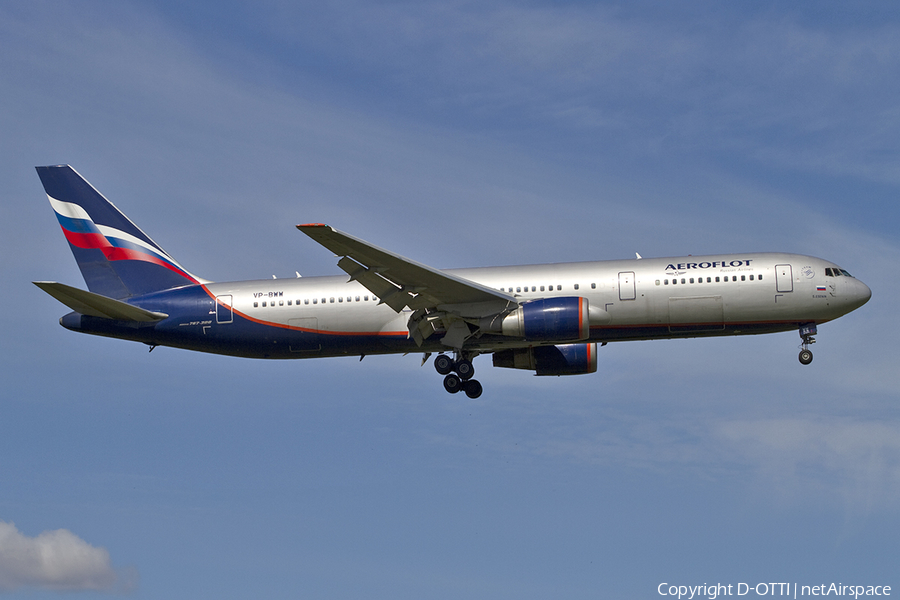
<point x="784" y="278"/>
<point x="626" y="285"/>
<point x="224" y="309"/>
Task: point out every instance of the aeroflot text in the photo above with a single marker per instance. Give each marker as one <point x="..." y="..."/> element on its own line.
<point x="707" y="265"/>
<point x="771" y="589"/>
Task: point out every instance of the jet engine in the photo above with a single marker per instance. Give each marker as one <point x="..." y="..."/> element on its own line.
<point x="566" y="359"/>
<point x="550" y="319"/>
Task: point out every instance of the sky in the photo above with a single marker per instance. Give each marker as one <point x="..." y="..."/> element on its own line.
<point x="457" y="134"/>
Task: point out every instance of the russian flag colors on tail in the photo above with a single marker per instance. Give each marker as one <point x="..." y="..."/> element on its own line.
<point x="116" y="258"/>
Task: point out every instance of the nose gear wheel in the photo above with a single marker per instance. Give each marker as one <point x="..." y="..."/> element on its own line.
<point x="806" y="334"/>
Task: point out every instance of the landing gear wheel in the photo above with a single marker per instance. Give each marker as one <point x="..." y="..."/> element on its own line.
<point x="452" y="383"/>
<point x="805" y="356"/>
<point x="473" y="388"/>
<point x="443" y="364"/>
<point x="465" y="369"/>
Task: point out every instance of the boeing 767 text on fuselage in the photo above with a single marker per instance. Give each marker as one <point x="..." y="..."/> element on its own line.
<point x="543" y="318"/>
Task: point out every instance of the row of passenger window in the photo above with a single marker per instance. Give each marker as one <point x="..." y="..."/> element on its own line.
<point x="518" y="290"/>
<point x="535" y="288"/>
<point x="684" y="280"/>
<point x="331" y="300"/>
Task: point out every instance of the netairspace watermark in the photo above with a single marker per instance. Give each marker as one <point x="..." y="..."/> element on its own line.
<point x="716" y="590"/>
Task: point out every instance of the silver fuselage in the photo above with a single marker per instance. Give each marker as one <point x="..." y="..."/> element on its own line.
<point x="653" y="298"/>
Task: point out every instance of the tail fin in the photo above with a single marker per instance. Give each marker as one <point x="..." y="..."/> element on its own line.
<point x="116" y="258"/>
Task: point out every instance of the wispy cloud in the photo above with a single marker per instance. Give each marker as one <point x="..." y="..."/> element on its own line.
<point x="772" y="86"/>
<point x="57" y="560"/>
<point x="854" y="461"/>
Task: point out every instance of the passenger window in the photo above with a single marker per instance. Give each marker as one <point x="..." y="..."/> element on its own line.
<point x="305" y="301"/>
<point x="692" y="280"/>
<point x="751" y="278"/>
<point x="331" y="300"/>
<point x="542" y="288"/>
<point x="256" y="305"/>
<point x="709" y="280"/>
<point x="576" y="286"/>
<point x="682" y="281"/>
<point x="534" y="288"/>
<point x="594" y="285"/>
<point x="657" y="282"/>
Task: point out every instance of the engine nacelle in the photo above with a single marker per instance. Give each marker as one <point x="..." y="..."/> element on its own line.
<point x="566" y="359"/>
<point x="550" y="319"/>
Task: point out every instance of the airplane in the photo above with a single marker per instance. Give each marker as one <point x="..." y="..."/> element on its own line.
<point x="547" y="318"/>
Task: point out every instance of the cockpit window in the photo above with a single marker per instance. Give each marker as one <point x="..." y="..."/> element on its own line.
<point x="844" y="273"/>
<point x="835" y="272"/>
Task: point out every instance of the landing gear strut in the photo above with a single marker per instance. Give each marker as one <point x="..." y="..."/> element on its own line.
<point x="806" y="334"/>
<point x="458" y="375"/>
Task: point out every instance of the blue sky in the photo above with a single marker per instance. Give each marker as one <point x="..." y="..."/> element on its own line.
<point x="458" y="134"/>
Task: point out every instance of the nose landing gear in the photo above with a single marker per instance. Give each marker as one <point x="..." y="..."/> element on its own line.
<point x="806" y="334"/>
<point x="458" y="375"/>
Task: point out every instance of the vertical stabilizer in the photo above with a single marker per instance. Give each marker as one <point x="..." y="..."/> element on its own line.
<point x="116" y="258"/>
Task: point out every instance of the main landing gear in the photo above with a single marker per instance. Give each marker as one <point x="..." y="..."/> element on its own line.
<point x="806" y="334"/>
<point x="458" y="375"/>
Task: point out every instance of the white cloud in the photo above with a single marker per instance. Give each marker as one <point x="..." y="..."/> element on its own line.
<point x="56" y="560"/>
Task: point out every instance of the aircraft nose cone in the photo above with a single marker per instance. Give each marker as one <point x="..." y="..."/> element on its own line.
<point x="862" y="293"/>
<point x="867" y="293"/>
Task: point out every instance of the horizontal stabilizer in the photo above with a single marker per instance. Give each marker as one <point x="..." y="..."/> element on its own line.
<point x="95" y="305"/>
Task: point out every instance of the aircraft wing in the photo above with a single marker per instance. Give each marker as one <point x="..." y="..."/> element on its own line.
<point x="400" y="282"/>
